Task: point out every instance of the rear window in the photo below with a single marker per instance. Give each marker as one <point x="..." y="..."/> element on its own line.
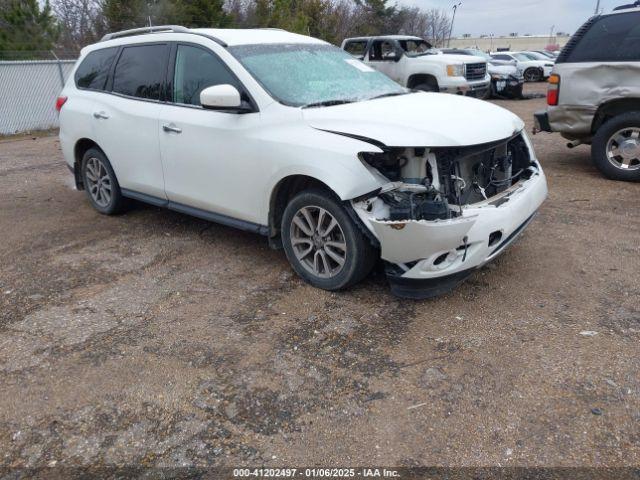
<point x="140" y="71"/>
<point x="614" y="38"/>
<point x="357" y="49"/>
<point x="94" y="69"/>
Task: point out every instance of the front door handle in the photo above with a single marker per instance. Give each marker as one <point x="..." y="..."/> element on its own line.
<point x="171" y="128"/>
<point x="100" y="115"/>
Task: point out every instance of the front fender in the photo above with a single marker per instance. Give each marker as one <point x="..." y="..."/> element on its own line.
<point x="336" y="165"/>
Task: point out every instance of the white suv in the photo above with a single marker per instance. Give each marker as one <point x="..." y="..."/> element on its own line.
<point x="292" y="138"/>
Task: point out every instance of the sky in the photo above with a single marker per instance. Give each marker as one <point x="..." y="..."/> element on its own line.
<point x="502" y="17"/>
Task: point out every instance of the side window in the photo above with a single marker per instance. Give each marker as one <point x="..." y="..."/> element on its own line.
<point x="415" y="46"/>
<point x="197" y="69"/>
<point x="140" y="71"/>
<point x="357" y="49"/>
<point x="614" y="38"/>
<point x="94" y="69"/>
<point x="382" y="51"/>
<point x="501" y="57"/>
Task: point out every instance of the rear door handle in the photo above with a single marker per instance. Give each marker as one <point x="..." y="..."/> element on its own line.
<point x="100" y="115"/>
<point x="171" y="128"/>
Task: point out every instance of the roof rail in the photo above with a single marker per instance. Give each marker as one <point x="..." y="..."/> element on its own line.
<point x="631" y="5"/>
<point x="159" y="29"/>
<point x="143" y="30"/>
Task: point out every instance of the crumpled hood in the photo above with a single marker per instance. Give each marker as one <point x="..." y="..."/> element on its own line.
<point x="418" y="120"/>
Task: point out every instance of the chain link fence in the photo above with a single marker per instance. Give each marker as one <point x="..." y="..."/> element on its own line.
<point x="30" y="82"/>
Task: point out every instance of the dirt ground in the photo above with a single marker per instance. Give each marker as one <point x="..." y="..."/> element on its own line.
<point x="158" y="339"/>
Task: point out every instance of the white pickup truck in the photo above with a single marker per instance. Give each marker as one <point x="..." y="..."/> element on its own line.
<point x="413" y="63"/>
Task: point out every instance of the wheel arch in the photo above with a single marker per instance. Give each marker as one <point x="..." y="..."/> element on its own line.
<point x="282" y="193"/>
<point x="613" y="108"/>
<point x="418" y="78"/>
<point x="80" y="148"/>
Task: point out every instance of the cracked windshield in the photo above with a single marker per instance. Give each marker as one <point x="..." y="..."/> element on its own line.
<point x="313" y="75"/>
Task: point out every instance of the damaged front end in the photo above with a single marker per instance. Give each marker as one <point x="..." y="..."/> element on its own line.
<point x="446" y="211"/>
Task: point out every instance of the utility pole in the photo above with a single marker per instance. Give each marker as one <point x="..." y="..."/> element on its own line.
<point x="597" y="7"/>
<point x="455" y="9"/>
<point x="150" y="9"/>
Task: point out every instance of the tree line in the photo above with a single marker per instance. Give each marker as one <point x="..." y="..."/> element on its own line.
<point x="68" y="25"/>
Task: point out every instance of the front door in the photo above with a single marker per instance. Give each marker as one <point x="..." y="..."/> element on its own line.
<point x="207" y="155"/>
<point x="383" y="57"/>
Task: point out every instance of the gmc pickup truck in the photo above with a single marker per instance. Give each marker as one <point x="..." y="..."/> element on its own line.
<point x="414" y="63"/>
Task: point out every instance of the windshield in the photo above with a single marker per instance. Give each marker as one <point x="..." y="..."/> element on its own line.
<point x="414" y="48"/>
<point x="304" y="74"/>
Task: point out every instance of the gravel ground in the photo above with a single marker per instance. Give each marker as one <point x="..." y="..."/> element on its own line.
<point x="153" y="338"/>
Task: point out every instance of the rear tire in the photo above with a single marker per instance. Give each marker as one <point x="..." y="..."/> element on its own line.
<point x="100" y="183"/>
<point x="616" y="148"/>
<point x="323" y="244"/>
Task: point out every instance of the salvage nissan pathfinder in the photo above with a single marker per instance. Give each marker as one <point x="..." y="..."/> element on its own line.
<point x="292" y="138"/>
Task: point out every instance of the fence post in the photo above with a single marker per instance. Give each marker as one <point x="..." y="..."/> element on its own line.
<point x="60" y="72"/>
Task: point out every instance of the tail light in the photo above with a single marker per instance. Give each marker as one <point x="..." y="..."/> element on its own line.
<point x="60" y="101"/>
<point x="553" y="92"/>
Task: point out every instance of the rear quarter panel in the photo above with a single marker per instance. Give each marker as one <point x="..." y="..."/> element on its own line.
<point x="75" y="119"/>
<point x="585" y="87"/>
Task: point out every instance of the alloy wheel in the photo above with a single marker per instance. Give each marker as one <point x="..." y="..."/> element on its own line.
<point x="623" y="149"/>
<point x="318" y="241"/>
<point x="532" y="75"/>
<point x="99" y="182"/>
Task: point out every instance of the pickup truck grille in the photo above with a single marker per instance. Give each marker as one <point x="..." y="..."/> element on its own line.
<point x="476" y="71"/>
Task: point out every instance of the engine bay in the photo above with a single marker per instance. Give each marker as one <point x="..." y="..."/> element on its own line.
<point x="433" y="184"/>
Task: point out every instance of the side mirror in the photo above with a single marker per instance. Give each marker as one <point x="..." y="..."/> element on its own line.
<point x="222" y="97"/>
<point x="397" y="55"/>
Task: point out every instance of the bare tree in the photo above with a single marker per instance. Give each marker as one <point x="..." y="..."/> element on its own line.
<point x="81" y="22"/>
<point x="438" y="27"/>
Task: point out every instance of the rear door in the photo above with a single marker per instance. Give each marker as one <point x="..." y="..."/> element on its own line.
<point x="126" y="120"/>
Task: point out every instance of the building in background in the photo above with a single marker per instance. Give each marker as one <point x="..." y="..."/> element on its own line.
<point x="513" y="42"/>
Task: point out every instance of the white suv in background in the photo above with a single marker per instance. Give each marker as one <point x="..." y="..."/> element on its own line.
<point x="292" y="138"/>
<point x="414" y="63"/>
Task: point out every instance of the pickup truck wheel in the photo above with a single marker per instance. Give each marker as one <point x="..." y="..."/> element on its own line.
<point x="323" y="244"/>
<point x="101" y="184"/>
<point x="616" y="147"/>
<point x="533" y="75"/>
<point x="427" y="87"/>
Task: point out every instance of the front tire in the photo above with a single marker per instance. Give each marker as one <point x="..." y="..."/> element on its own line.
<point x="616" y="148"/>
<point x="323" y="244"/>
<point x="101" y="184"/>
<point x="427" y="87"/>
<point x="533" y="75"/>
